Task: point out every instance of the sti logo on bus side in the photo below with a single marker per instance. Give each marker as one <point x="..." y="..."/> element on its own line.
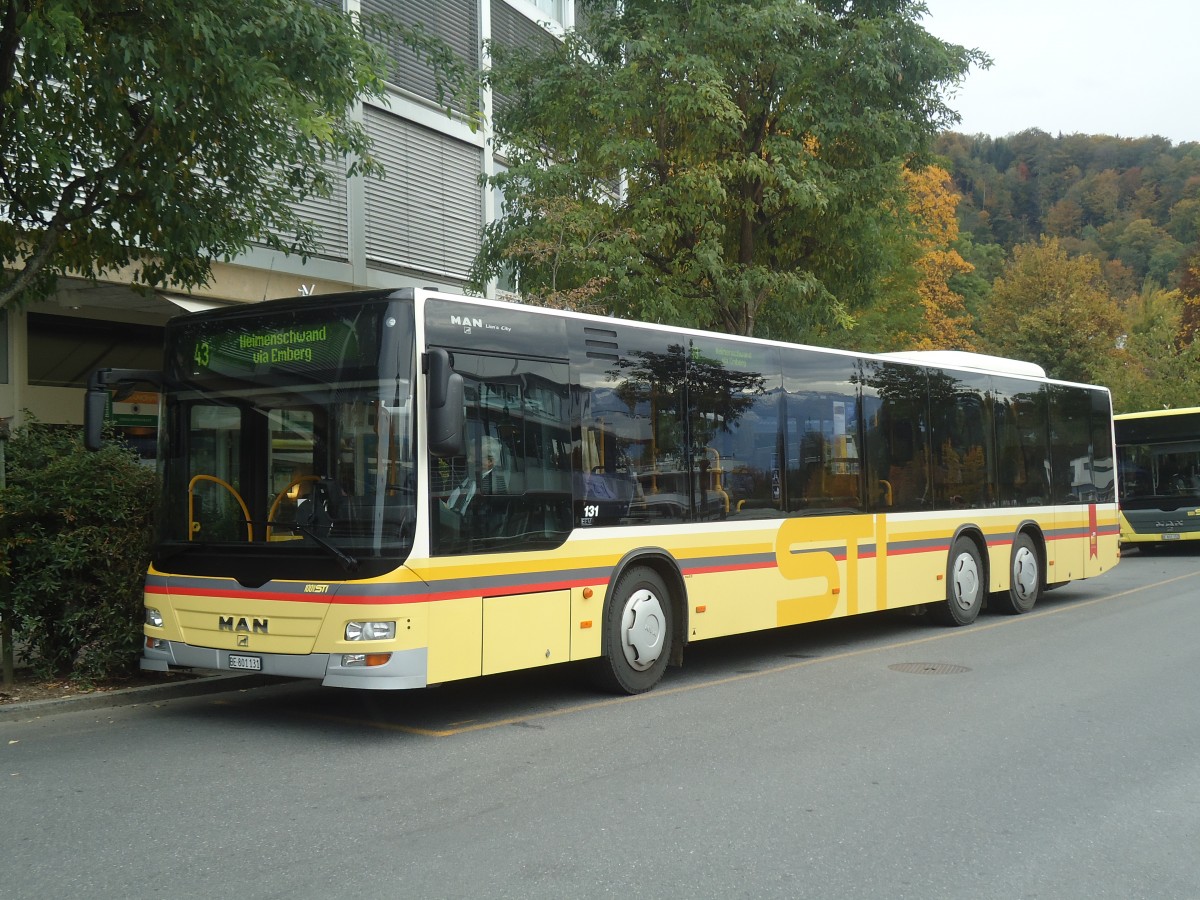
<point x="226" y="623"/>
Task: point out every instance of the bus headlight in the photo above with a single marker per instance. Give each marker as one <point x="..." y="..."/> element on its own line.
<point x="370" y="631"/>
<point x="153" y="617"/>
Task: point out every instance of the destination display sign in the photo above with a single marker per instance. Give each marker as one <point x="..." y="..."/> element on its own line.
<point x="313" y="343"/>
<point x="288" y="346"/>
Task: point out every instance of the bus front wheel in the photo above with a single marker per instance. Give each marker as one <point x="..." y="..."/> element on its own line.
<point x="1024" y="578"/>
<point x="964" y="586"/>
<point x="638" y="629"/>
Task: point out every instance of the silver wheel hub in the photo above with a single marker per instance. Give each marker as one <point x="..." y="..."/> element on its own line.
<point x="1025" y="573"/>
<point x="643" y="629"/>
<point x="964" y="581"/>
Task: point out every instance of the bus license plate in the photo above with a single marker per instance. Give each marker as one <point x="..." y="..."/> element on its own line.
<point x="245" y="662"/>
<point x="1170" y="537"/>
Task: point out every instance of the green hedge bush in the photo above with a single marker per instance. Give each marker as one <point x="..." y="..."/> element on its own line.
<point x="75" y="531"/>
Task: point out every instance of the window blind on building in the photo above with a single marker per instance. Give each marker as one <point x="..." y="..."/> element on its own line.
<point x="427" y="213"/>
<point x="454" y="21"/>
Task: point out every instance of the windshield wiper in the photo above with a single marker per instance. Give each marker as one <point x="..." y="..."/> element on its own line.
<point x="347" y="562"/>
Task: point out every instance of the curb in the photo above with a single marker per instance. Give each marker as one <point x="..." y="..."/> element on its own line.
<point x="132" y="696"/>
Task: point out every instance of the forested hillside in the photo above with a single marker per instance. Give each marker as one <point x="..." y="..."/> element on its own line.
<point x="1086" y="255"/>
<point x="1133" y="204"/>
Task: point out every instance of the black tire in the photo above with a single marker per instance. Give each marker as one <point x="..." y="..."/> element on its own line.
<point x="964" y="586"/>
<point x="1024" y="578"/>
<point x="638" y="630"/>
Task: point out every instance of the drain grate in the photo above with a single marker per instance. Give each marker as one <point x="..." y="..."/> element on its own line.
<point x="929" y="668"/>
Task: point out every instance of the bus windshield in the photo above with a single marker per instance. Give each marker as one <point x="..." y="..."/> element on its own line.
<point x="1155" y="471"/>
<point x="288" y="441"/>
<point x="1159" y="457"/>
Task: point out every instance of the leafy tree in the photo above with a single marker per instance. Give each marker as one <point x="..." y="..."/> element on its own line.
<point x="1153" y="369"/>
<point x="986" y="261"/>
<point x="1148" y="250"/>
<point x="1189" y="287"/>
<point x="1099" y="195"/>
<point x="1054" y="310"/>
<point x="922" y="311"/>
<point x="1132" y="203"/>
<point x="947" y="326"/>
<point x="159" y="136"/>
<point x="727" y="164"/>
<point x="1184" y="222"/>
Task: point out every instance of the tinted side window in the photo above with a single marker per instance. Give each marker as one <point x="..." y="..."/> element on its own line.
<point x="1070" y="445"/>
<point x="895" y="410"/>
<point x="734" y="393"/>
<point x="1022" y="442"/>
<point x="1103" y="471"/>
<point x="512" y="489"/>
<point x="962" y="440"/>
<point x="823" y="437"/>
<point x="632" y="459"/>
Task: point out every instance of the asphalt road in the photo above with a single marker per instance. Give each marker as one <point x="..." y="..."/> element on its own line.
<point x="1053" y="755"/>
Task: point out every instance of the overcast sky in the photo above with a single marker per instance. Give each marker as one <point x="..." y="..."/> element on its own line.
<point x="1092" y="66"/>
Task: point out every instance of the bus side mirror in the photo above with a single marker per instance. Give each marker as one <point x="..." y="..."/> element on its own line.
<point x="447" y="417"/>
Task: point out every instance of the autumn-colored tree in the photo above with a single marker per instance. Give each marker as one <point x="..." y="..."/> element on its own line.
<point x="1053" y="309"/>
<point x="946" y="324"/>
<point x="919" y="310"/>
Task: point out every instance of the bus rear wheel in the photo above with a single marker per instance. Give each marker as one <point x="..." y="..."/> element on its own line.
<point x="964" y="586"/>
<point x="1024" y="578"/>
<point x="638" y="630"/>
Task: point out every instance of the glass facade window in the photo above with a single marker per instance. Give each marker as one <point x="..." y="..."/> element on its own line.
<point x="552" y="9"/>
<point x="64" y="350"/>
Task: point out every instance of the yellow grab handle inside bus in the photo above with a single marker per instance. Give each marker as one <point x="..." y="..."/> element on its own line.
<point x="194" y="526"/>
<point x="286" y="492"/>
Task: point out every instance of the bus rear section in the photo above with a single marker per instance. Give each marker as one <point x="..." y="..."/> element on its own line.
<point x="1158" y="455"/>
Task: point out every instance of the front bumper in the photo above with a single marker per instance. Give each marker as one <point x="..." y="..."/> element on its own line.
<point x="405" y="670"/>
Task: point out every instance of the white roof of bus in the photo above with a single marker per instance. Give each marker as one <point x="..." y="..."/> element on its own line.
<point x="947" y="359"/>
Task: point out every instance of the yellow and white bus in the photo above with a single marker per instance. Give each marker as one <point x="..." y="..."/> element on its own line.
<point x="1158" y="456"/>
<point x="393" y="489"/>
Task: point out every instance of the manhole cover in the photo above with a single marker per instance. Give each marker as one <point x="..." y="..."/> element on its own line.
<point x="929" y="668"/>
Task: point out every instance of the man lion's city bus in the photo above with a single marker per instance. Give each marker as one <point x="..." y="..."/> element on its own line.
<point x="325" y="512"/>
<point x="1158" y="458"/>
